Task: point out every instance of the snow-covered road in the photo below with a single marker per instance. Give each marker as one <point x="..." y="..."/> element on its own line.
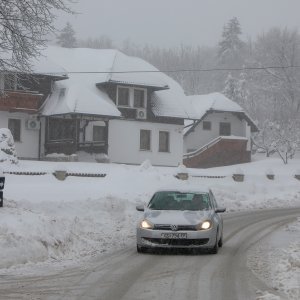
<point x="125" y="274"/>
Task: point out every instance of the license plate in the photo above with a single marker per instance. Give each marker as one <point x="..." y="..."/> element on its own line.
<point x="174" y="235"/>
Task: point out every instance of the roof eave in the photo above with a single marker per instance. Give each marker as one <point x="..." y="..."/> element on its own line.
<point x="82" y="114"/>
<point x="128" y="83"/>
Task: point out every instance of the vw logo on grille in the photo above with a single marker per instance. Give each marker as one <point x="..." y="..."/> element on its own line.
<point x="174" y="227"/>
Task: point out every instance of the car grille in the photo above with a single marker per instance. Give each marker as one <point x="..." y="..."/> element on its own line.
<point x="179" y="227"/>
<point x="177" y="242"/>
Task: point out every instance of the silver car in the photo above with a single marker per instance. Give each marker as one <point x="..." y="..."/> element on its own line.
<point x="181" y="219"/>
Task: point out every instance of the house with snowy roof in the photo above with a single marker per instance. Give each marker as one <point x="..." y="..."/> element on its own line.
<point x="105" y="103"/>
<point x="95" y="101"/>
<point x="218" y="132"/>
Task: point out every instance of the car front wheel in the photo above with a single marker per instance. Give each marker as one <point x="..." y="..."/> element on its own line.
<point x="221" y="241"/>
<point x="215" y="248"/>
<point x="140" y="249"/>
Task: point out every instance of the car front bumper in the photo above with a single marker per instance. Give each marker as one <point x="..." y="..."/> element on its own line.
<point x="180" y="239"/>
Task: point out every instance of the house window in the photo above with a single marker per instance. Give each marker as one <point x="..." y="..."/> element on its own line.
<point x="14" y="125"/>
<point x="130" y="97"/>
<point x="206" y="125"/>
<point x="139" y="98"/>
<point x="225" y="128"/>
<point x="123" y="96"/>
<point x="145" y="139"/>
<point x="164" y="141"/>
<point x="98" y="133"/>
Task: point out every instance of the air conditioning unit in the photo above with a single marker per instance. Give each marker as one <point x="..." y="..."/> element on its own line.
<point x="141" y="113"/>
<point x="33" y="124"/>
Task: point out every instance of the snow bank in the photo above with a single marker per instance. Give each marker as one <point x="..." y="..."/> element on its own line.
<point x="277" y="262"/>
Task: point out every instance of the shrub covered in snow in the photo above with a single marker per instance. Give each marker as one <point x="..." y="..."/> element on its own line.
<point x="7" y="147"/>
<point x="146" y="165"/>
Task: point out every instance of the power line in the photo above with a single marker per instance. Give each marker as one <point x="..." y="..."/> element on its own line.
<point x="178" y="70"/>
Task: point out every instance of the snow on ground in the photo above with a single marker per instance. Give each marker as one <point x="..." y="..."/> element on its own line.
<point x="45" y="220"/>
<point x="277" y="262"/>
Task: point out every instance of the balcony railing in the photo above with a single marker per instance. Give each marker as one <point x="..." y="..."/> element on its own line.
<point x="20" y="101"/>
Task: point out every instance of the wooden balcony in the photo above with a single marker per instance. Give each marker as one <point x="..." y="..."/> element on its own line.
<point x="22" y="101"/>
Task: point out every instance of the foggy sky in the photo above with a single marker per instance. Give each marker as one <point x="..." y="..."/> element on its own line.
<point x="173" y="22"/>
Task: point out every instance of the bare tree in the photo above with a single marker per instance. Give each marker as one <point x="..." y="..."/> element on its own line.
<point x="279" y="137"/>
<point x="287" y="140"/>
<point x="264" y="139"/>
<point x="280" y="48"/>
<point x="24" y="26"/>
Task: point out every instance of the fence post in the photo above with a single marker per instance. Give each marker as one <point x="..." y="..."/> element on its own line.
<point x="2" y="181"/>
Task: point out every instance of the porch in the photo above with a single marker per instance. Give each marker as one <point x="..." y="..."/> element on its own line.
<point x="69" y="134"/>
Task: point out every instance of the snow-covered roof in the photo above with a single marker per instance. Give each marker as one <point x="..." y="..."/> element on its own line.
<point x="88" y="67"/>
<point x="78" y="93"/>
<point x="135" y="72"/>
<point x="198" y="106"/>
<point x="171" y="102"/>
<point x="39" y="65"/>
<point x="44" y="65"/>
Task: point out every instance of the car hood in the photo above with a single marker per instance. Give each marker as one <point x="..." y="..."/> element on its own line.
<point x="177" y="217"/>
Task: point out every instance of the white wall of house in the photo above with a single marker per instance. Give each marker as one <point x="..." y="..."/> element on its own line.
<point x="28" y="145"/>
<point x="124" y="143"/>
<point x="200" y="137"/>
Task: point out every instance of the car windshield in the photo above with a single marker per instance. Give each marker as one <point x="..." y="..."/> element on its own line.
<point x="180" y="201"/>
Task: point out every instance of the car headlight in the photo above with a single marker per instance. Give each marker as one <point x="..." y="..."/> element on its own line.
<point x="204" y="225"/>
<point x="145" y="224"/>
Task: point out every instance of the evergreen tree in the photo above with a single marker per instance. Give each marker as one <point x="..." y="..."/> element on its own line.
<point x="67" y="37"/>
<point x="231" y="46"/>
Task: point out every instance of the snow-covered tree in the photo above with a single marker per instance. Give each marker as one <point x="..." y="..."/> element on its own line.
<point x="24" y="26"/>
<point x="264" y="139"/>
<point x="7" y="147"/>
<point x="279" y="137"/>
<point x="231" y="46"/>
<point x="231" y="88"/>
<point x="67" y="38"/>
<point x="287" y="139"/>
<point x="236" y="89"/>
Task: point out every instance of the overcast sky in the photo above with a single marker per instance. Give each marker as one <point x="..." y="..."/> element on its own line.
<point x="172" y="22"/>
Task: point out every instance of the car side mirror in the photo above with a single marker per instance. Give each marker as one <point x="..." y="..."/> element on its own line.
<point x="140" y="207"/>
<point x="220" y="209"/>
